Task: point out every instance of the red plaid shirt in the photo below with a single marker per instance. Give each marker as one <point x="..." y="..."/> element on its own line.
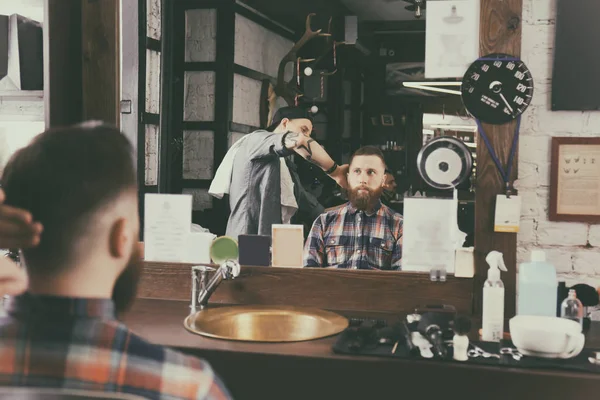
<point x="348" y="238"/>
<point x="73" y="343"/>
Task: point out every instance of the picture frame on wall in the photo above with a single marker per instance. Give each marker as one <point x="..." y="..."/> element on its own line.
<point x="387" y="120"/>
<point x="575" y="179"/>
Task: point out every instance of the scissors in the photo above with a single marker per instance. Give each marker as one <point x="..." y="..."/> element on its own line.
<point x="513" y="352"/>
<point x="479" y="352"/>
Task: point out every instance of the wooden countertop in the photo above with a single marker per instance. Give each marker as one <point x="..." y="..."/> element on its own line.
<point x="295" y="370"/>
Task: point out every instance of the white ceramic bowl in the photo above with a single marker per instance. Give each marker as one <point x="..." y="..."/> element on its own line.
<point x="548" y="337"/>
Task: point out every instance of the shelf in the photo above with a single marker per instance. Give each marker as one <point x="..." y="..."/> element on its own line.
<point x="37" y="94"/>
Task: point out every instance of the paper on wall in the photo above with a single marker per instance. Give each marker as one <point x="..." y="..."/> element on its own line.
<point x="167" y="222"/>
<point x="430" y="234"/>
<point x="451" y="37"/>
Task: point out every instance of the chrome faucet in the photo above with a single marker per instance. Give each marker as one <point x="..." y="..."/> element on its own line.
<point x="203" y="288"/>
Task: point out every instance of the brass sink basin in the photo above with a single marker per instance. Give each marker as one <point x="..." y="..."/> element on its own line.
<point x="265" y="323"/>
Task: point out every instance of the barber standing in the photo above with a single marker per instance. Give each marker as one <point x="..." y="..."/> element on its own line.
<point x="263" y="187"/>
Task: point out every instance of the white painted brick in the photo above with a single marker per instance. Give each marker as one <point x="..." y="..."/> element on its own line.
<point x="561" y="258"/>
<point x="523" y="254"/>
<point x="586" y="261"/>
<point x="527" y="232"/>
<point x="574" y="278"/>
<point x="542" y="92"/>
<point x="527" y="12"/>
<point x="536" y="37"/>
<point x="534" y="166"/>
<point x="528" y="121"/>
<point x="591" y="123"/>
<point x="558" y="121"/>
<point x="543" y="202"/>
<point x="534" y="203"/>
<point x="539" y="62"/>
<point x="594" y="235"/>
<point x="541" y="11"/>
<point x="562" y="233"/>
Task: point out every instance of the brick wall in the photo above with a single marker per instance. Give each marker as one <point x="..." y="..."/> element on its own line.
<point x="567" y="245"/>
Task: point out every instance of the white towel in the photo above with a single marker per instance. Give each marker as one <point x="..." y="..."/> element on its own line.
<point x="222" y="181"/>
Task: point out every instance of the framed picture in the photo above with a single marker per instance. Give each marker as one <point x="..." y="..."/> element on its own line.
<point x="387" y="120"/>
<point x="575" y="180"/>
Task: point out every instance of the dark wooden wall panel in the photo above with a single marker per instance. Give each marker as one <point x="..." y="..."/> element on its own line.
<point x="100" y="43"/>
<point x="62" y="62"/>
<point x="500" y="32"/>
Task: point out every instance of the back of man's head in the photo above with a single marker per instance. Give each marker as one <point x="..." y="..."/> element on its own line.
<point x="66" y="177"/>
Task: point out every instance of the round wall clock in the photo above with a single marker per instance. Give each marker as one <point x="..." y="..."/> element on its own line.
<point x="445" y="162"/>
<point x="497" y="88"/>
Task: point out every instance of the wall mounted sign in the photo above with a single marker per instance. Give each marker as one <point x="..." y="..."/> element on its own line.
<point x="451" y="37"/>
<point x="575" y="179"/>
<point x="497" y="88"/>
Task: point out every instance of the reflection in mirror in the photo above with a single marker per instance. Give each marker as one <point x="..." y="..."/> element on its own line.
<point x="246" y="175"/>
<point x="15" y="135"/>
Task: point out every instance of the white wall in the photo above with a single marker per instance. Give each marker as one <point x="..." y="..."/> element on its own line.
<point x="32" y="9"/>
<point x="563" y="242"/>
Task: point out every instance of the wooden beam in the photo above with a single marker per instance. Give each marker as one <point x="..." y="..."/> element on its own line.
<point x="100" y="42"/>
<point x="500" y="32"/>
<point x="62" y="62"/>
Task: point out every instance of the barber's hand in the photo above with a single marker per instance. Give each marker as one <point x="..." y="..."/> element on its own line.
<point x="17" y="229"/>
<point x="13" y="279"/>
<point x="340" y="175"/>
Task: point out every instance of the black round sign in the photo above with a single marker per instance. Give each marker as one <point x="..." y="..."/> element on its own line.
<point x="497" y="88"/>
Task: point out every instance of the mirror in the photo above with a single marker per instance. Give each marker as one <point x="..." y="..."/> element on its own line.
<point x="21" y="76"/>
<point x="352" y="91"/>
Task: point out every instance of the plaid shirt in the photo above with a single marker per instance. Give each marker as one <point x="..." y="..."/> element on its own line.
<point x="348" y="238"/>
<point x="59" y="342"/>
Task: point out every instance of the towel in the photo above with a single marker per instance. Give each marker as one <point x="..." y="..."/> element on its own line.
<point x="221" y="182"/>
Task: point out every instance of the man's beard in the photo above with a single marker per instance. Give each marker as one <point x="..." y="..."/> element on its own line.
<point x="125" y="289"/>
<point x="363" y="198"/>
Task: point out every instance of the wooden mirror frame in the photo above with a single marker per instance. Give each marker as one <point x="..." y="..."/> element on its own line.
<point x="500" y="32"/>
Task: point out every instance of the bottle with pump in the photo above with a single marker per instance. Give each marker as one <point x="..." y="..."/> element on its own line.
<point x="537" y="286"/>
<point x="493" y="299"/>
<point x="571" y="308"/>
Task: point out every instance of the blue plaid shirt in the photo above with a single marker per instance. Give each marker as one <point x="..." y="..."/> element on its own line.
<point x="348" y="238"/>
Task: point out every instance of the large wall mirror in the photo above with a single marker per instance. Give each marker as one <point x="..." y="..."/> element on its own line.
<point x="22" y="112"/>
<point x="220" y="63"/>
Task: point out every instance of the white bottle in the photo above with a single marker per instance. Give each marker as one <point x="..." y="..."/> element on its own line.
<point x="493" y="299"/>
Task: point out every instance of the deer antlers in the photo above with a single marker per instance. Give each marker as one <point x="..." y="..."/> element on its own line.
<point x="289" y="91"/>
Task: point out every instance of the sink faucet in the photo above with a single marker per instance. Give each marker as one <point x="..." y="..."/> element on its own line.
<point x="230" y="269"/>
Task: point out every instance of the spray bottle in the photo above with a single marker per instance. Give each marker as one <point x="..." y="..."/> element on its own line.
<point x="493" y="299"/>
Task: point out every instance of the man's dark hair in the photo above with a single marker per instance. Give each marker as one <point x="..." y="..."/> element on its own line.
<point x="63" y="177"/>
<point x="289" y="113"/>
<point x="369" y="151"/>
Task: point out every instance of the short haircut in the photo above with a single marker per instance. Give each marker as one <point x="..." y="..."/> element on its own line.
<point x="369" y="151"/>
<point x="63" y="177"/>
